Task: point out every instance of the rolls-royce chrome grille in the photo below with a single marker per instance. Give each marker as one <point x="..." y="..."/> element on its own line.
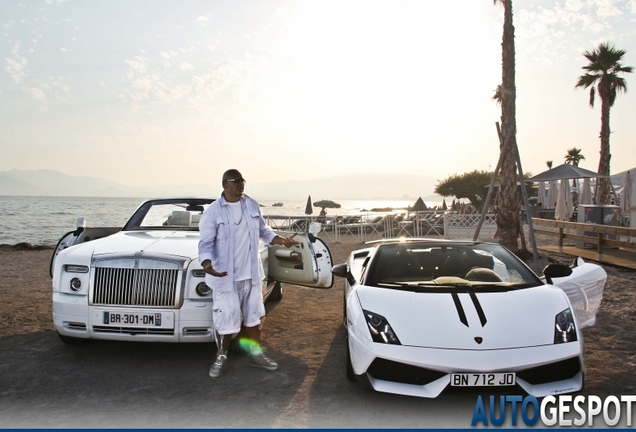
<point x="135" y="287"/>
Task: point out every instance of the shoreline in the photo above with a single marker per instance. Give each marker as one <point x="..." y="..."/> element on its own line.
<point x="25" y="246"/>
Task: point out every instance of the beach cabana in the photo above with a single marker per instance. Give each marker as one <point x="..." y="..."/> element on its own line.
<point x="565" y="171"/>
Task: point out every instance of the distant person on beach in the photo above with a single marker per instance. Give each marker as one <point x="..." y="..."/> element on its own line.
<point x="230" y="229"/>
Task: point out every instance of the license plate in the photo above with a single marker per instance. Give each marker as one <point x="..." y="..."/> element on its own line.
<point x="133" y="319"/>
<point x="483" y="379"/>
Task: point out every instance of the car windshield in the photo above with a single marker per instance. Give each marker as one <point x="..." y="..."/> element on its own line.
<point x="429" y="265"/>
<point x="171" y="214"/>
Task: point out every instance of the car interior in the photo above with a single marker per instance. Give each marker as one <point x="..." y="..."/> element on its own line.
<point x="405" y="263"/>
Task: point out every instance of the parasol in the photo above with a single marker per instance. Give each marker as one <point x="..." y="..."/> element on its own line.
<point x="628" y="198"/>
<point x="308" y="209"/>
<point x="326" y="204"/>
<point x="541" y="195"/>
<point x="552" y="195"/>
<point x="586" y="192"/>
<point x="564" y="206"/>
<point x="419" y="205"/>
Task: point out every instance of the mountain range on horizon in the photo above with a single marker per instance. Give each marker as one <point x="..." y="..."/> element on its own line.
<point x="369" y="186"/>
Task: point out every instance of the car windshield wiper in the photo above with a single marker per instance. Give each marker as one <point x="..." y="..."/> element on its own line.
<point x="383" y="284"/>
<point x="465" y="287"/>
<point x="456" y="287"/>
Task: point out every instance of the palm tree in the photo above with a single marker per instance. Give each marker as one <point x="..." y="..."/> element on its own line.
<point x="602" y="77"/>
<point x="509" y="203"/>
<point x="573" y="157"/>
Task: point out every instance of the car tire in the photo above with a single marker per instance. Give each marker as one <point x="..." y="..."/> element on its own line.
<point x="277" y="293"/>
<point x="351" y="376"/>
<point x="72" y="340"/>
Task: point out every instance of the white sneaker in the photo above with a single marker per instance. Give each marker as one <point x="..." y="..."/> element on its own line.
<point x="261" y="361"/>
<point x="219" y="365"/>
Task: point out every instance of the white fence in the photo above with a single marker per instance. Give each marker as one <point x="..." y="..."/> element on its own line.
<point x="367" y="227"/>
<point x="463" y="226"/>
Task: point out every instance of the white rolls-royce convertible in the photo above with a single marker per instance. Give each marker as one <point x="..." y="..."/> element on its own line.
<point x="143" y="282"/>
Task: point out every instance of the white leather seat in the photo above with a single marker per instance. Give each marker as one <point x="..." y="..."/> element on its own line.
<point x="196" y="217"/>
<point x="180" y="218"/>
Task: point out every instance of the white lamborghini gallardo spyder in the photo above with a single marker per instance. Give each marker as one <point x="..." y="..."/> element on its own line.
<point x="424" y="315"/>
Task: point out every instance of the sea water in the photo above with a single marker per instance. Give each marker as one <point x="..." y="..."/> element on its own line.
<point x="43" y="220"/>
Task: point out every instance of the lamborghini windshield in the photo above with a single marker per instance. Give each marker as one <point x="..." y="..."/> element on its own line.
<point x="429" y="264"/>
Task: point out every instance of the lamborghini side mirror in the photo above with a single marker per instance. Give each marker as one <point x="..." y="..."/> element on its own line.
<point x="556" y="271"/>
<point x="342" y="270"/>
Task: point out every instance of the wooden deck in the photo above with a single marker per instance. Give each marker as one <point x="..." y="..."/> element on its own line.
<point x="618" y="257"/>
<point x="616" y="248"/>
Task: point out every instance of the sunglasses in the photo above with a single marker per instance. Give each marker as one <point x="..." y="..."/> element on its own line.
<point x="236" y="180"/>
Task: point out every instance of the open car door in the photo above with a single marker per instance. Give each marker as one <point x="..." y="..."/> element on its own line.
<point x="307" y="263"/>
<point x="584" y="287"/>
<point x="79" y="235"/>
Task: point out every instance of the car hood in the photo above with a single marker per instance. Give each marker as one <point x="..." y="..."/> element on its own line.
<point x="510" y="319"/>
<point x="163" y="242"/>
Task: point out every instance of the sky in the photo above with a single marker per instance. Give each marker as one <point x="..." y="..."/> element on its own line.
<point x="154" y="92"/>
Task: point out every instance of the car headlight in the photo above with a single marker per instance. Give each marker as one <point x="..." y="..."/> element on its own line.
<point x="380" y="329"/>
<point x="203" y="290"/>
<point x="198" y="273"/>
<point x="75" y="284"/>
<point x="72" y="268"/>
<point x="564" y="328"/>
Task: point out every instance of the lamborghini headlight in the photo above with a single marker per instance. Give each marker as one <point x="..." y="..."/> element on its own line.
<point x="564" y="328"/>
<point x="380" y="329"/>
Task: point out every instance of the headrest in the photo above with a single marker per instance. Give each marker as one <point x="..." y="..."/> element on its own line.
<point x="180" y="218"/>
<point x="481" y="274"/>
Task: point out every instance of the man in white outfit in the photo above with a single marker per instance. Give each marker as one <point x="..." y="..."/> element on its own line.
<point x="230" y="229"/>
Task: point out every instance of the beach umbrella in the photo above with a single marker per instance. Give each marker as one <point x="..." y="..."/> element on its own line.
<point x="552" y="195"/>
<point x="564" y="206"/>
<point x="453" y="205"/>
<point x="569" y="200"/>
<point x="586" y="192"/>
<point x="541" y="194"/>
<point x="308" y="209"/>
<point x="559" y="212"/>
<point x="444" y="206"/>
<point x="326" y="204"/>
<point x="617" y="179"/>
<point x="419" y="205"/>
<point x="628" y="197"/>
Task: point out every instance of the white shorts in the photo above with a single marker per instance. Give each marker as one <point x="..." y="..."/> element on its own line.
<point x="243" y="304"/>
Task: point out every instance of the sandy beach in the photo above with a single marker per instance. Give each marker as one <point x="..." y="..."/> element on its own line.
<point x="44" y="383"/>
